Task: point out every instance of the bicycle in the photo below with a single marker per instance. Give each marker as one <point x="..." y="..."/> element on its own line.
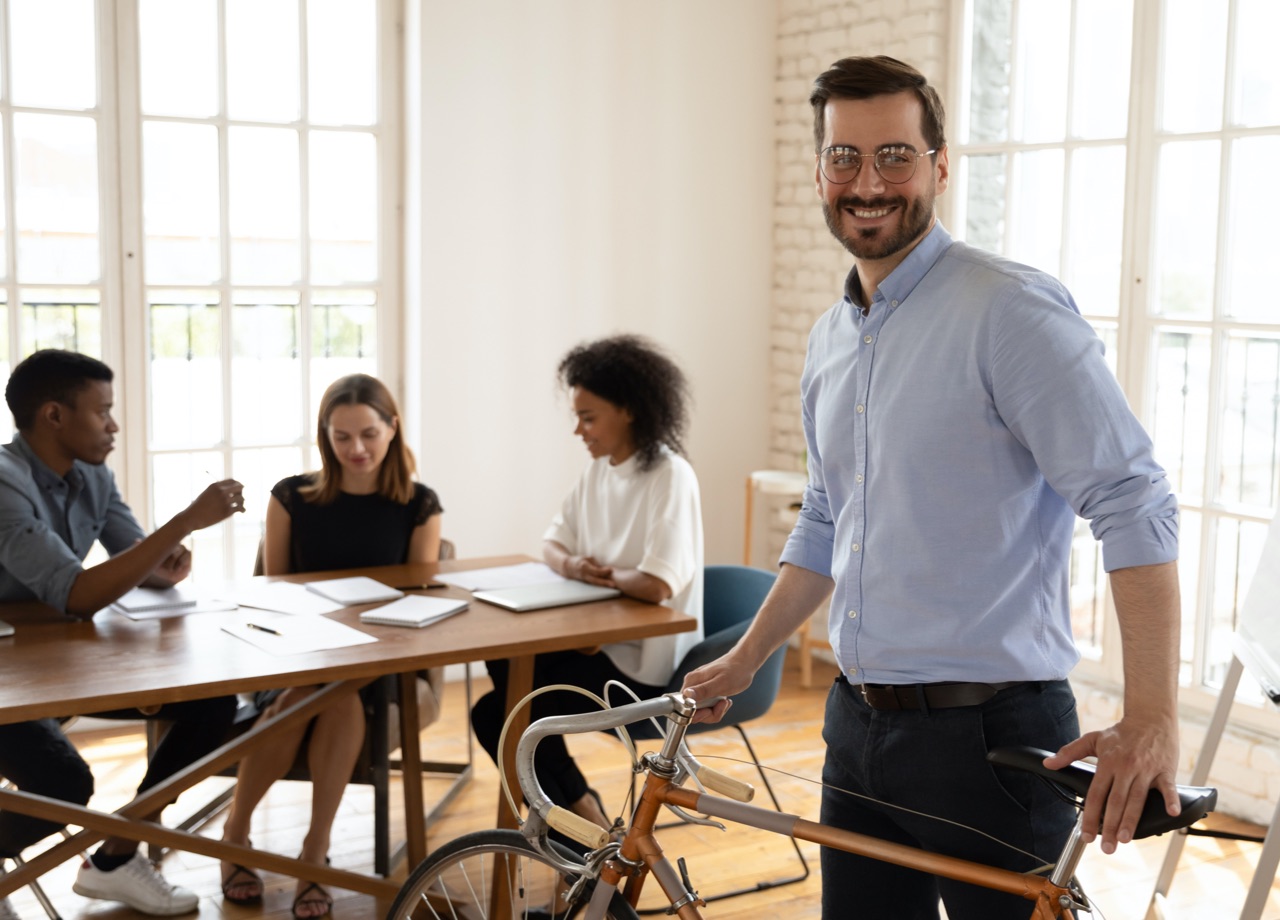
<point x="522" y="874"/>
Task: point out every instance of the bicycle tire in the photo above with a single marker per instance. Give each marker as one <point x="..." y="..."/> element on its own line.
<point x="454" y="882"/>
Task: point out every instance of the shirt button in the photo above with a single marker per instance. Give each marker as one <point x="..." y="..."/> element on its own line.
<point x="893" y="303"/>
<point x="867" y="339"/>
<point x="856" y="547"/>
<point x="853" y="672"/>
<point x="861" y="408"/>
<point x="858" y="478"/>
<point x="853" y="614"/>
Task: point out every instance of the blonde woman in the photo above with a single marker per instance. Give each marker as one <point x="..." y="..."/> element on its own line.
<point x="362" y="508"/>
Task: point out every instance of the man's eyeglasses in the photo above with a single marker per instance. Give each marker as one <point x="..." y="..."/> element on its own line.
<point x="841" y="165"/>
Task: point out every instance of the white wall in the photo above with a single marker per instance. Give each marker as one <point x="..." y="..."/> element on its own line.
<point x="584" y="168"/>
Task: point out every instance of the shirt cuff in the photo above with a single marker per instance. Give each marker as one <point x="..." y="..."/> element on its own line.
<point x="1153" y="541"/>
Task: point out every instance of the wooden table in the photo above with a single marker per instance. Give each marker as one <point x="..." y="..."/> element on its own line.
<point x="54" y="666"/>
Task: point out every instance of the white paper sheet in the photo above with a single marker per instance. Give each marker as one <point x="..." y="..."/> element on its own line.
<point x="284" y="597"/>
<point x="503" y="576"/>
<point x="281" y="634"/>
<point x="202" y="606"/>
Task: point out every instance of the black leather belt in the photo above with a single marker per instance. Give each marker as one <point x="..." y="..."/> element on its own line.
<point x="930" y="696"/>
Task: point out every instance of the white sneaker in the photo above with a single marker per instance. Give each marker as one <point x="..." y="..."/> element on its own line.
<point x="136" y="883"/>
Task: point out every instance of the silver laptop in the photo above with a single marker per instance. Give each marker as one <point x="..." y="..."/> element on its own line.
<point x="550" y="594"/>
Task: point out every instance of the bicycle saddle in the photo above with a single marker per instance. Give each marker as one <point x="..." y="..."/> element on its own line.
<point x="1197" y="801"/>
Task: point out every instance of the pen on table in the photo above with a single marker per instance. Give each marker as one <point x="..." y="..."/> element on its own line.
<point x="430" y="584"/>
<point x="265" y="629"/>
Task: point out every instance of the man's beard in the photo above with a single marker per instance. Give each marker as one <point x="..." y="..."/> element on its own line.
<point x="880" y="242"/>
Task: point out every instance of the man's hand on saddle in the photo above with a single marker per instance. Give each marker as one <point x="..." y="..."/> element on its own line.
<point x="1133" y="757"/>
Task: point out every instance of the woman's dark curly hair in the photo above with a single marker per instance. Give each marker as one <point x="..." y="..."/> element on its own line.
<point x="630" y="372"/>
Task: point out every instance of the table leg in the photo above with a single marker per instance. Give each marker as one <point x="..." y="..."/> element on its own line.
<point x="519" y="685"/>
<point x="415" y="830"/>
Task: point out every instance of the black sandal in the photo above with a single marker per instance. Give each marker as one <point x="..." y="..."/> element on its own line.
<point x="234" y="879"/>
<point x="302" y="898"/>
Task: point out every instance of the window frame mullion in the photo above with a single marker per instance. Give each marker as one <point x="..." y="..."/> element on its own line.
<point x="125" y="295"/>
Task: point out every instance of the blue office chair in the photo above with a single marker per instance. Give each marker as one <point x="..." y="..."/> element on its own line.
<point x="731" y="596"/>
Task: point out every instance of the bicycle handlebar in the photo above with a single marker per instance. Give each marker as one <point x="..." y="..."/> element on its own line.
<point x="578" y="828"/>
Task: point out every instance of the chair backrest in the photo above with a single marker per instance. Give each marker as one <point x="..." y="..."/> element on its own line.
<point x="731" y="595"/>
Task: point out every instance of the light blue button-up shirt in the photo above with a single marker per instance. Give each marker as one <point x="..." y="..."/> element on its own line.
<point x="954" y="433"/>
<point x="48" y="524"/>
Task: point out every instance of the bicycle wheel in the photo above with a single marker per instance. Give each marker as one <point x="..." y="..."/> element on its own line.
<point x="457" y="882"/>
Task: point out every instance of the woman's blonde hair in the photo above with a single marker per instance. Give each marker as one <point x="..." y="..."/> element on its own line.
<point x="395" y="476"/>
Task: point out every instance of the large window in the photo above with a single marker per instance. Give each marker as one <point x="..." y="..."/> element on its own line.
<point x="1152" y="202"/>
<point x="204" y="194"/>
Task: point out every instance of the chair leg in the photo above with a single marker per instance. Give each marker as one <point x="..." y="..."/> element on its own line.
<point x="761" y="885"/>
<point x="38" y="893"/>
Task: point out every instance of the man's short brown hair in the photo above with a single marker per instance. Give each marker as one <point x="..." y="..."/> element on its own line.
<point x="865" y="77"/>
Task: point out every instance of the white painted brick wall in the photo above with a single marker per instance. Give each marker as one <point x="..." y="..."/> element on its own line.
<point x="810" y="267"/>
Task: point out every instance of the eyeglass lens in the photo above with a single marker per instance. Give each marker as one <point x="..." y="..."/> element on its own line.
<point x="894" y="164"/>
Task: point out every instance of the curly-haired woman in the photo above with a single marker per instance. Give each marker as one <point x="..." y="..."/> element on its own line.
<point x="633" y="522"/>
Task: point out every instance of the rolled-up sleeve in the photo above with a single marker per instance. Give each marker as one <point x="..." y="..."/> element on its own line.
<point x="1060" y="399"/>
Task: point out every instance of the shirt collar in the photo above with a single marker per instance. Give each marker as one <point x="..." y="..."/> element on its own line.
<point x="43" y="475"/>
<point x="910" y="271"/>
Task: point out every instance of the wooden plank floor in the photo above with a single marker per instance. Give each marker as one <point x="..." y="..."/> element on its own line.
<point x="1210" y="886"/>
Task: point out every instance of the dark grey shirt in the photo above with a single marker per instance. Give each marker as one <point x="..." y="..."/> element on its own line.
<point x="48" y="524"/>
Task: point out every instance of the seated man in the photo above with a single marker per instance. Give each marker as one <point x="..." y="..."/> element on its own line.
<point x="56" y="498"/>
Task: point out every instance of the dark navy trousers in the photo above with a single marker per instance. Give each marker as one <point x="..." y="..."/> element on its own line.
<point x="934" y="763"/>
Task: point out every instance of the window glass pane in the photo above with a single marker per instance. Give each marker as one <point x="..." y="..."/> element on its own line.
<point x="1088" y="590"/>
<point x="180" y="203"/>
<point x="258" y="469"/>
<point x="1044" y="70"/>
<point x="1096" y="229"/>
<point x="344" y="339"/>
<point x="1110" y="337"/>
<point x="342" y="31"/>
<point x="1257" y="79"/>
<point x="56" y="179"/>
<point x="4" y="212"/>
<point x="1100" y="97"/>
<point x="1251" y="209"/>
<point x="264" y="205"/>
<point x="176" y="480"/>
<point x="5" y="366"/>
<point x="1250" y="438"/>
<point x="262" y="60"/>
<point x="1036" y="233"/>
<point x="1186" y="228"/>
<point x="53" y="54"/>
<point x="178" y="57"/>
<point x="344" y="207"/>
<point x="991" y="50"/>
<point x="1192" y="65"/>
<point x="265" y="359"/>
<point x="186" y="370"/>
<point x="70" y="319"/>
<point x="1237" y="550"/>
<point x="1181" y="415"/>
<point x="983" y="181"/>
<point x="1189" y="529"/>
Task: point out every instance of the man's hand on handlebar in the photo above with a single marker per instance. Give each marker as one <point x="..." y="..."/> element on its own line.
<point x="715" y="682"/>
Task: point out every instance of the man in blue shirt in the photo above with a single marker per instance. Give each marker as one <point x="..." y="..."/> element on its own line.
<point x="959" y="415"/>
<point x="56" y="499"/>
